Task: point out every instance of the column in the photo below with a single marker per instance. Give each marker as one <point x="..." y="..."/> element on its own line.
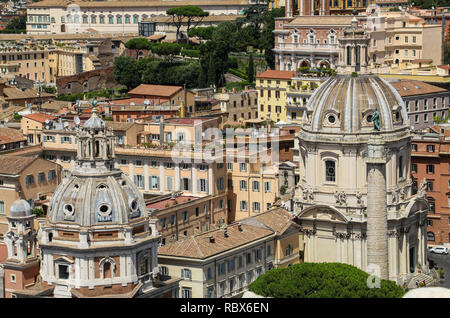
<point x="77" y="272"/>
<point x="377" y="236"/>
<point x="211" y="180"/>
<point x="123" y="269"/>
<point x="131" y="170"/>
<point x="177" y="176"/>
<point x="194" y="179"/>
<point x="161" y="176"/>
<point x="146" y="176"/>
<point x="91" y="272"/>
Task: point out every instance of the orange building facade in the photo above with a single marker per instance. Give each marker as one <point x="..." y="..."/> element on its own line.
<point x="430" y="159"/>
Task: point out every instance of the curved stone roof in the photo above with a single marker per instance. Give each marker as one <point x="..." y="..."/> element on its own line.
<point x="20" y="208"/>
<point x="344" y="104"/>
<point x="108" y="198"/>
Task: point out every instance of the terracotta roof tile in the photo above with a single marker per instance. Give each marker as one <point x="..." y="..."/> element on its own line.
<point x="277" y="74"/>
<point x="14" y="164"/>
<point x="40" y="117"/>
<point x="9" y="135"/>
<point x="155" y="90"/>
<point x="199" y="246"/>
<point x="278" y="219"/>
<point x="411" y="88"/>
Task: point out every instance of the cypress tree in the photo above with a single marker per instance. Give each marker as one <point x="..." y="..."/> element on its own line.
<point x="211" y="71"/>
<point x="251" y="69"/>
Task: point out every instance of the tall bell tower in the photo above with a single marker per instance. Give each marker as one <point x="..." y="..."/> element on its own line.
<point x="22" y="265"/>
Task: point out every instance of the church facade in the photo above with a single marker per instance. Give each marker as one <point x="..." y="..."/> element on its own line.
<point x="354" y="198"/>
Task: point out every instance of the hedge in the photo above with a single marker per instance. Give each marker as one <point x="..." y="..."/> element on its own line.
<point x="238" y="73"/>
<point x="321" y="280"/>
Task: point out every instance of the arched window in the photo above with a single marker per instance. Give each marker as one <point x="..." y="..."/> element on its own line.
<point x="107" y="268"/>
<point x="349" y="55"/>
<point x="330" y="171"/>
<point x="400" y="167"/>
<point x="430" y="236"/>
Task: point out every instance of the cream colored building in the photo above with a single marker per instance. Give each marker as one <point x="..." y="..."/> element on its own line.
<point x="228" y="259"/>
<point x="64" y="16"/>
<point x="398" y="39"/>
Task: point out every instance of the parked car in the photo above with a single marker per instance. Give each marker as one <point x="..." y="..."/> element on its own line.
<point x="439" y="250"/>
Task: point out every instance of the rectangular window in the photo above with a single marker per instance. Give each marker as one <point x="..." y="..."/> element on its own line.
<point x="185" y="216"/>
<point x="186" y="292"/>
<point x="255" y="186"/>
<point x="139" y="180"/>
<point x="66" y="139"/>
<point x="414" y="167"/>
<point x="243" y="167"/>
<point x="221" y="184"/>
<point x="169" y="183"/>
<point x="51" y="175"/>
<point x="2" y="207"/>
<point x="229" y="166"/>
<point x="430" y="169"/>
<point x="243" y="185"/>
<point x="29" y="180"/>
<point x="154" y="182"/>
<point x="63" y="271"/>
<point x="203" y="185"/>
<point x="430" y="148"/>
<point x="266" y="186"/>
<point x="256" y="207"/>
<point x="243" y="205"/>
<point x="185" y="184"/>
<point x="41" y="177"/>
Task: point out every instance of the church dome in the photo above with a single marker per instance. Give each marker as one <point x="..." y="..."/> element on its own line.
<point x="20" y="208"/>
<point x="107" y="198"/>
<point x="344" y="105"/>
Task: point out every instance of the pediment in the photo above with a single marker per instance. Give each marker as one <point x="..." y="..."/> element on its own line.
<point x="325" y="213"/>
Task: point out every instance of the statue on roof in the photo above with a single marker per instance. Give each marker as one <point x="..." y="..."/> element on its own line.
<point x="376" y="120"/>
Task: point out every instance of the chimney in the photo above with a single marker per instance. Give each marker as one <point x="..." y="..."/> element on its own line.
<point x="225" y="232"/>
<point x="234" y="90"/>
<point x="211" y="239"/>
<point x="240" y="227"/>
<point x="224" y="90"/>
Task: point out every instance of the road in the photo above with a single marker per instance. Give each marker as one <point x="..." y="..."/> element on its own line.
<point x="442" y="261"/>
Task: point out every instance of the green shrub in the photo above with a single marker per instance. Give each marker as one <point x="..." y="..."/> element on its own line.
<point x="17" y="117"/>
<point x="191" y="53"/>
<point x="38" y="212"/>
<point x="321" y="280"/>
<point x="354" y="74"/>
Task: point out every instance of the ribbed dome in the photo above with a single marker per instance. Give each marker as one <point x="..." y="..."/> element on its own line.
<point x="97" y="200"/>
<point x="20" y="208"/>
<point x="345" y="104"/>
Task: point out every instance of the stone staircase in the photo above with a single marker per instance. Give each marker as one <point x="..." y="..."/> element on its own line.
<point x="420" y="278"/>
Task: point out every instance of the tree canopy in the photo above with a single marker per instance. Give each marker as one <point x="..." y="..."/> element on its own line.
<point x="321" y="280"/>
<point x="168" y="50"/>
<point x="138" y="44"/>
<point x="189" y="14"/>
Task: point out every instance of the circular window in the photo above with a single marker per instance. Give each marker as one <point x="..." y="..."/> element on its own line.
<point x="123" y="183"/>
<point x="104" y="210"/>
<point x="369" y="118"/>
<point x="331" y="119"/>
<point x="76" y="186"/>
<point x="68" y="209"/>
<point x="133" y="205"/>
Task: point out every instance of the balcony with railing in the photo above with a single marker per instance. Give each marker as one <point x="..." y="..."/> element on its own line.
<point x="298" y="47"/>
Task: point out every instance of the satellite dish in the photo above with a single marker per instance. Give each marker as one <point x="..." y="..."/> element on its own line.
<point x="47" y="127"/>
<point x="76" y="120"/>
<point x="47" y="121"/>
<point x="146" y="102"/>
<point x="66" y="124"/>
<point x="132" y="104"/>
